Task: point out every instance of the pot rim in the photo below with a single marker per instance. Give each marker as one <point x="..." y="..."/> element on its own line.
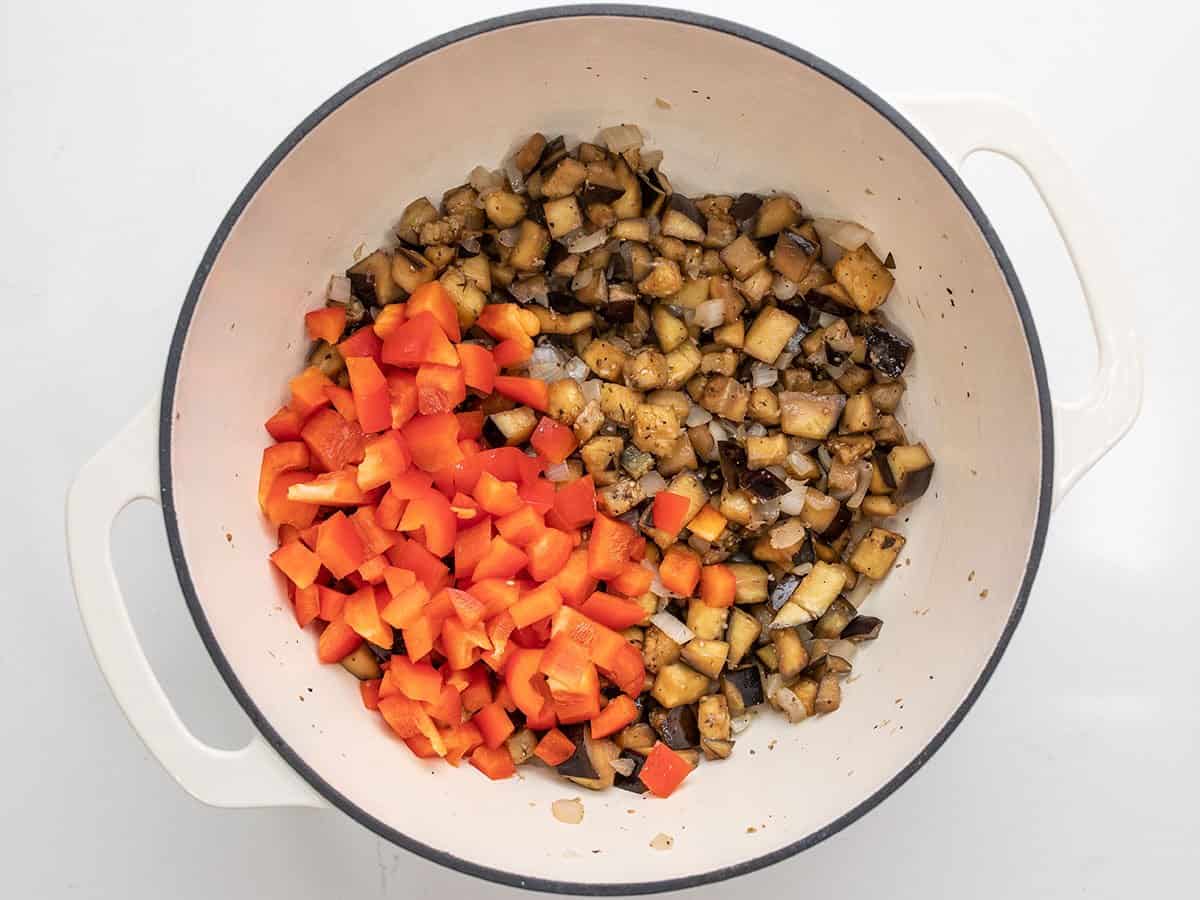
<point x="515" y="879"/>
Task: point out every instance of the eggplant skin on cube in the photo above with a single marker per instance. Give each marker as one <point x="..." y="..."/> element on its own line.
<point x="887" y="352"/>
<point x="677" y="727"/>
<point x="743" y="689"/>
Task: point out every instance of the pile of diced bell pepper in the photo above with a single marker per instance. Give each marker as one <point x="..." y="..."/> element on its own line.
<point x="393" y="516"/>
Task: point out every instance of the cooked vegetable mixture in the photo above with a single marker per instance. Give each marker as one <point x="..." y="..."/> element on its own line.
<point x="584" y="470"/>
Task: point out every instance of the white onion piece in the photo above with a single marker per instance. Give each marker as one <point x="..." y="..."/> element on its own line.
<point x="764" y="512"/>
<point x="803" y="445"/>
<point x="622" y="766"/>
<point x="858" y="595"/>
<point x="582" y="279"/>
<point x="672" y="627"/>
<point x="790" y="532"/>
<point x="481" y="179"/>
<point x="508" y="237"/>
<point x="710" y="313"/>
<point x="651" y="159"/>
<point x="865" y="470"/>
<point x="652" y="482"/>
<point x="516" y="181"/>
<point x="763" y="375"/>
<point x="619" y="138"/>
<point x="845" y="649"/>
<point x="738" y="724"/>
<point x="783" y="360"/>
<point x="825" y="319"/>
<point x="825" y="459"/>
<point x="339" y="289"/>
<point x="591" y="389"/>
<point x="576" y="368"/>
<point x="559" y="472"/>
<point x="717" y="431"/>
<point x="792" y="503"/>
<point x="757" y="429"/>
<point x="470" y="245"/>
<point x="772" y="686"/>
<point x="587" y="242"/>
<point x="802" y="569"/>
<point x="697" y="415"/>
<point x="621" y="343"/>
<point x="783" y="288"/>
<point x="847" y="235"/>
<point x="790" y="705"/>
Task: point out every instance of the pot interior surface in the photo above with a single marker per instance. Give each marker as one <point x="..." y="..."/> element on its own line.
<point x="741" y="116"/>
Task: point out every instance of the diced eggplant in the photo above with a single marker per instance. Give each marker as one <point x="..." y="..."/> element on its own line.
<point x="676" y="727"/>
<point x="733" y="463"/>
<point x="647" y="370"/>
<point x="505" y="209"/>
<point x="789" y="651"/>
<point x="911" y="469"/>
<point x="562" y="215"/>
<point x="707" y="622"/>
<point x="888" y="353"/>
<point x="371" y="280"/>
<point x="327" y="358"/>
<point x="658" y="650"/>
<point x="533" y="243"/>
<point x="862" y="628"/>
<point x="620" y="403"/>
<point x="705" y="656"/>
<point x="465" y="294"/>
<point x="741" y="634"/>
<point x="770" y="333"/>
<point x="763" y="406"/>
<point x="863" y="277"/>
<point x="876" y="553"/>
<point x="743" y="258"/>
<point x="742" y="688"/>
<point x="850" y="448"/>
<point x="765" y="484"/>
<point x="605" y="359"/>
<point x="886" y="397"/>
<point x="416" y="214"/>
<point x="563" y="179"/>
<point x="723" y="396"/>
<point x="530" y="154"/>
<point x="835" y="619"/>
<point x="719" y="362"/>
<point x="829" y="694"/>
<point x="808" y="414"/>
<point x="670" y="330"/>
<point x="361" y="664"/>
<point x="768" y="450"/>
<point x="618" y="498"/>
<point x="638" y="738"/>
<point x="835" y="529"/>
<point x="682" y="363"/>
<point x="600" y="456"/>
<point x="889" y="432"/>
<point x="879" y="506"/>
<point x="631" y="782"/>
<point x="794" y="254"/>
<point x="566" y="400"/>
<point x="510" y="428"/>
<point x="713" y="719"/>
<point x="820" y="510"/>
<point x="751" y="582"/>
<point x="678" y="684"/>
<point x="716" y="749"/>
<point x="636" y="462"/>
<point x="580" y="764"/>
<point x="783" y="590"/>
<point x="664" y="279"/>
<point x="756" y="287"/>
<point x="768" y="657"/>
<point x="681" y="219"/>
<point x="819" y="588"/>
<point x="858" y="415"/>
<point x="744" y="209"/>
<point x="776" y="214"/>
<point x="521" y="745"/>
<point x="805" y="690"/>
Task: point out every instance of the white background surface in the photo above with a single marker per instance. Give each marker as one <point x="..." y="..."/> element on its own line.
<point x="128" y="130"/>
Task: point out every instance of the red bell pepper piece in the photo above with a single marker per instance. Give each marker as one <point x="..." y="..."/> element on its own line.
<point x="718" y="585"/>
<point x="577" y="705"/>
<point x="513" y="352"/>
<point x="430" y="570"/>
<point x="362" y="614"/>
<point x="467" y="607"/>
<point x="371" y="571"/>
<point x="389" y="511"/>
<point x="637" y="551"/>
<point x="603" y="644"/>
<point x="553" y="440"/>
<point x="626" y="670"/>
<point x="470" y="427"/>
<point x="331" y="489"/>
<point x="375" y="540"/>
<point x="337" y="641"/>
<point x="565" y="662"/>
<point x="478" y="692"/>
<point x="608" y="548"/>
<point x="621" y="711"/>
<point x="447" y="709"/>
<point x="496" y="595"/>
<point x="528" y="391"/>
<point x="409" y="598"/>
<point x="520" y="677"/>
<point x="575" y="502"/>
<point x="495" y="496"/>
<point x="433" y="441"/>
<point x="285" y="425"/>
<point x="372" y="399"/>
<point x="282" y="511"/>
<point x="363" y="342"/>
<point x="326" y="324"/>
<point x="409" y="720"/>
<point x="331" y="603"/>
<point x="670" y="512"/>
<point x="417" y="681"/>
<point x="411" y="484"/>
<point x="633" y="581"/>
<point x="664" y="770"/>
<point x="287" y="534"/>
<point x="402" y="391"/>
<point x="298" y="563"/>
<point x="539" y="494"/>
<point x="463" y="644"/>
<point x="508" y="320"/>
<point x="339" y="545"/>
<point x="418" y="341"/>
<point x="612" y="612"/>
<point x="520" y="527"/>
<point x="308" y="391"/>
<point x="333" y="442"/>
<point x="502" y="560"/>
<point x="494" y="724"/>
<point x="430" y="512"/>
<point x="547" y="718"/>
<point x="554" y="748"/>
<point x="499" y="632"/>
<point x="343" y="401"/>
<point x="385" y="458"/>
<point x="479" y="368"/>
<point x="495" y="764"/>
<point x="470" y="547"/>
<point x="573" y="580"/>
<point x="461" y="741"/>
<point x="439" y="389"/>
<point x="420" y="747"/>
<point x="433" y="299"/>
<point x="369" y="691"/>
<point x="389" y="319"/>
<point x="548" y="553"/>
<point x="419" y="637"/>
<point x="540" y="603"/>
<point x="679" y="570"/>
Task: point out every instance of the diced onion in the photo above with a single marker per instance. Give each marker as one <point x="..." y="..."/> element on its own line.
<point x="619" y="138"/>
<point x="651" y="159"/>
<point x="622" y="766"/>
<point x="576" y="368"/>
<point x="591" y="389"/>
<point x="845" y="649"/>
<point x="710" y="313"/>
<point x="559" y="472"/>
<point x="803" y="445"/>
<point x="546" y="364"/>
<point x="470" y="245"/>
<point x="620" y="343"/>
<point x="763" y="375"/>
<point x="756" y="429"/>
<point x="825" y="459"/>
<point x="482" y="179"/>
<point x="717" y="431"/>
<point x="672" y="627"/>
<point x="792" y="503"/>
<point x="587" y="242"/>
<point x="802" y="569"/>
<point x="787" y="534"/>
<point x="697" y="415"/>
<point x="582" y="279"/>
<point x="652" y="482"/>
<point x="865" y="470"/>
<point x="783" y="288"/>
<point x="783" y="360"/>
<point x="790" y="705"/>
<point x="772" y="686"/>
<point x="858" y="594"/>
<point x="738" y="724"/>
<point x="847" y="235"/>
<point x="339" y="289"/>
<point x="516" y="181"/>
<point x="526" y="290"/>
<point x="764" y="512"/>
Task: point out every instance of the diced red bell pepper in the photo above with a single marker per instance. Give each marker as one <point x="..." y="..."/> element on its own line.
<point x="389" y="511"/>
<point x="409" y="598"/>
<point x="539" y="495"/>
<point x="372" y="399"/>
<point x="463" y="644"/>
<point x="439" y="389"/>
<point x="670" y="512"/>
<point x="502" y="560"/>
<point x="627" y="670"/>
<point x="418" y="341"/>
<point x="494" y="724"/>
<point x="333" y="442"/>
<point x="420" y="747"/>
<point x="495" y="496"/>
<point x="433" y="299"/>
<point x="566" y="662"/>
<point x="416" y="680"/>
<point x="718" y="585"/>
<point x="633" y="581"/>
<point x="548" y="553"/>
<point x="431" y="513"/>
<point x="470" y="547"/>
<point x="337" y="641"/>
<point x="447" y="709"/>
<point x="389" y="319"/>
<point x="385" y="458"/>
<point x="577" y="705"/>
<point x="331" y="603"/>
<point x="339" y="546"/>
<point x="540" y="603"/>
<point x="411" y="484"/>
<point x="467" y="607"/>
<point x="478" y="692"/>
<point x="326" y="324"/>
<point x="285" y="425"/>
<point x="287" y="534"/>
<point x="499" y="631"/>
<point x="282" y="511"/>
<point x="478" y="366"/>
<point x="573" y="580"/>
<point x="461" y="741"/>
<point x="408" y="719"/>
<point x="548" y="717"/>
<point x="621" y="711"/>
<point x="361" y="613"/>
<point x="520" y="677"/>
<point x="679" y="570"/>
<point x="376" y="540"/>
<point x="513" y="352"/>
<point x="528" y="391"/>
<point x="613" y="612"/>
<point x="496" y="595"/>
<point x="433" y="441"/>
<point x="575" y="502"/>
<point x="520" y="527"/>
<point x="604" y="645"/>
<point x="553" y="440"/>
<point x="363" y="342"/>
<point x="664" y="770"/>
<point x="419" y="637"/>
<point x="430" y="570"/>
<point x="343" y="401"/>
<point x="298" y="563"/>
<point x="609" y="546"/>
<point x="495" y="764"/>
<point x="306" y="604"/>
<point x="372" y="570"/>
<point x="554" y="748"/>
<point x="470" y="427"/>
<point x="369" y="691"/>
<point x="308" y="391"/>
<point x="331" y="489"/>
<point x="508" y="320"/>
<point x="402" y="391"/>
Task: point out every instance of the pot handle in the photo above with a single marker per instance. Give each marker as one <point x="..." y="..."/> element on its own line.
<point x="126" y="469"/>
<point x="1084" y="429"/>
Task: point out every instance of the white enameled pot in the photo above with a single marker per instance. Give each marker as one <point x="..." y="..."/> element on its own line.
<point x="747" y="112"/>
